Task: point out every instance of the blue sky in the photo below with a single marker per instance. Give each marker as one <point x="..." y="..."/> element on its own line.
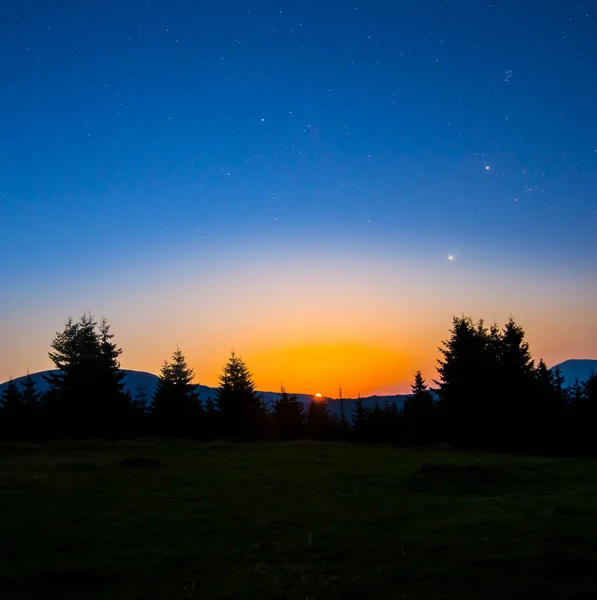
<point x="199" y="134"/>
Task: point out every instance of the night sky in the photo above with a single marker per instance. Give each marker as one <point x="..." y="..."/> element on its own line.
<point x="318" y="185"/>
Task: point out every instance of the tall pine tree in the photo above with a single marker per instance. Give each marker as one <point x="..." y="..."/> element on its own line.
<point x="419" y="412"/>
<point x="241" y="410"/>
<point x="464" y="369"/>
<point x="175" y="408"/>
<point x="86" y="394"/>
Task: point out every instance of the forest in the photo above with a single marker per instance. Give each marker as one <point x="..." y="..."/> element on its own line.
<point x="489" y="394"/>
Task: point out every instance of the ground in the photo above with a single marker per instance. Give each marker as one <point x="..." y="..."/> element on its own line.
<point x="183" y="520"/>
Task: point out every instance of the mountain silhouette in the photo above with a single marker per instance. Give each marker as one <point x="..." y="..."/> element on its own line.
<point x="134" y="379"/>
<point x="577" y="370"/>
<point x="572" y="370"/>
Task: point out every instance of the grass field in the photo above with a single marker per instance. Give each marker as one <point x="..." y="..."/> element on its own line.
<point x="181" y="520"/>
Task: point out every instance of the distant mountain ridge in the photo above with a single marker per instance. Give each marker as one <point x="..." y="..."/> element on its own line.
<point x="572" y="370"/>
<point x="577" y="369"/>
<point x="135" y="379"/>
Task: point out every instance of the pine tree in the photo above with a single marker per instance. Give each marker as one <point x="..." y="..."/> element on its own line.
<point x="464" y="371"/>
<point x="360" y="421"/>
<point x="590" y="390"/>
<point x="585" y="416"/>
<point x="510" y="388"/>
<point x="288" y="416"/>
<point x="141" y="399"/>
<point x="116" y="409"/>
<point x="86" y="395"/>
<point x="31" y="405"/>
<point x="241" y="409"/>
<point x="419" y="412"/>
<point x="320" y="425"/>
<point x="514" y="354"/>
<point x="29" y="393"/>
<point x="175" y="408"/>
<point x="12" y="412"/>
<point x="552" y="419"/>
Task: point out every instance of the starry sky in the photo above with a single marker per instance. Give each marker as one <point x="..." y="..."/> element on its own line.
<point x="318" y="185"/>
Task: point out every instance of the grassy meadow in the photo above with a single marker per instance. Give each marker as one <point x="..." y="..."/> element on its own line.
<point x="182" y="520"/>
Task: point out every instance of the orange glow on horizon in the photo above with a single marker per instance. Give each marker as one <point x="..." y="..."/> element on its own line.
<point x="374" y="321"/>
<point x="358" y="368"/>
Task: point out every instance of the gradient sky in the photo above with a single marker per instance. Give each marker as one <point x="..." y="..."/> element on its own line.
<point x="290" y="179"/>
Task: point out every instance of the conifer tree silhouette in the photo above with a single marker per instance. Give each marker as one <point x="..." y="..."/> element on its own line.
<point x="32" y="408"/>
<point x="466" y="366"/>
<point x="360" y="421"/>
<point x="86" y="396"/>
<point x="241" y="410"/>
<point x="175" y="408"/>
<point x="419" y="412"/>
<point x="13" y="412"/>
<point x="288" y="416"/>
<point x="320" y="425"/>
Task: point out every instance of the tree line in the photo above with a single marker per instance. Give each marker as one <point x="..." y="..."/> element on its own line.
<point x="489" y="394"/>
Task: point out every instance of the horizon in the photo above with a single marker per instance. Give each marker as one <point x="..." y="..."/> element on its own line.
<point x="320" y="187"/>
<point x="331" y="396"/>
<point x="431" y="385"/>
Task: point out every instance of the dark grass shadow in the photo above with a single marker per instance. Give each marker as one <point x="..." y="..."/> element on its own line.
<point x="139" y="462"/>
<point x="77" y="466"/>
<point x="460" y="479"/>
<point x="8" y="450"/>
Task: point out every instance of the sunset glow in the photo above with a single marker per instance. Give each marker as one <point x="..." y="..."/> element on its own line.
<point x="374" y="321"/>
<point x="319" y="201"/>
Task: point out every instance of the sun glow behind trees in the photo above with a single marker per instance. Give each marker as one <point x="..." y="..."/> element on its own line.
<point x="373" y="321"/>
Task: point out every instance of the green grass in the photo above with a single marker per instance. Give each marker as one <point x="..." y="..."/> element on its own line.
<point x="145" y="520"/>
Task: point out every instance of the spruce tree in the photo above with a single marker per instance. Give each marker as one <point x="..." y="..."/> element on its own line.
<point x="241" y="410"/>
<point x="590" y="390"/>
<point x="510" y="389"/>
<point x="419" y="412"/>
<point x="464" y="369"/>
<point x="175" y="409"/>
<point x="288" y="416"/>
<point x="141" y="399"/>
<point x="116" y="408"/>
<point x="320" y="425"/>
<point x="29" y="393"/>
<point x="13" y="412"/>
<point x="86" y="394"/>
<point x="360" y="421"/>
<point x="31" y="405"/>
<point x="553" y="419"/>
<point x="585" y="416"/>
